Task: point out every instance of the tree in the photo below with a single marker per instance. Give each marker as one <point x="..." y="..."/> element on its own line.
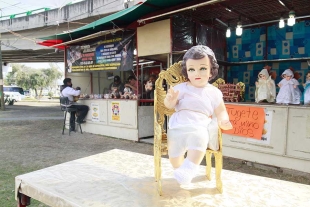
<point x="10" y="78"/>
<point x="29" y="78"/>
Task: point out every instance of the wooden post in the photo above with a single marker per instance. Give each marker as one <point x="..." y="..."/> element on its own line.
<point x="23" y="200"/>
<point x="1" y="81"/>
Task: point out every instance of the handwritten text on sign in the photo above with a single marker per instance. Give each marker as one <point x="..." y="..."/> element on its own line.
<point x="247" y="121"/>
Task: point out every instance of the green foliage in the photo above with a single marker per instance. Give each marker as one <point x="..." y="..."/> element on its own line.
<point x="29" y="78"/>
<point x="50" y="94"/>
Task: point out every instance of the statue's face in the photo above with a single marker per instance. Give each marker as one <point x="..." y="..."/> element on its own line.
<point x="288" y="77"/>
<point x="262" y="76"/>
<point x="308" y="76"/>
<point x="198" y="71"/>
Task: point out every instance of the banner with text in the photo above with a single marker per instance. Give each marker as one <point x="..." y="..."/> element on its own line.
<point x="247" y="121"/>
<point x="110" y="54"/>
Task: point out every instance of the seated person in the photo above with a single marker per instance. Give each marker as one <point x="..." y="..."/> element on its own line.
<point x="150" y="87"/>
<point x="82" y="110"/>
<point x="133" y="84"/>
<point x="117" y="84"/>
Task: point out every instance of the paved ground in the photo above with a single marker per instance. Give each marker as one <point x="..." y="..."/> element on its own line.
<point x="31" y="139"/>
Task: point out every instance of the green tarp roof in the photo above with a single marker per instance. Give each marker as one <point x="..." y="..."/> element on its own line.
<point x="121" y="18"/>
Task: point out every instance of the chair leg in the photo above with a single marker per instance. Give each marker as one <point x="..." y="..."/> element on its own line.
<point x="81" y="129"/>
<point x="63" y="128"/>
<point x="157" y="164"/>
<point x="209" y="165"/>
<point x="159" y="184"/>
<point x="218" y="171"/>
<point x="70" y="126"/>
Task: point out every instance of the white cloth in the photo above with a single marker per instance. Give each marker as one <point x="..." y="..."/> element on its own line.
<point x="189" y="125"/>
<point x="288" y="94"/>
<point x="70" y="92"/>
<point x="288" y="72"/>
<point x="187" y="138"/>
<point x="195" y="105"/>
<point x="186" y="172"/>
<point x="307" y="93"/>
<point x="265" y="89"/>
<point x="297" y="92"/>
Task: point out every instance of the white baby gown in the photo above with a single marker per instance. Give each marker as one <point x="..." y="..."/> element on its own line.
<point x="288" y="94"/>
<point x="266" y="89"/>
<point x="285" y="95"/>
<point x="297" y="92"/>
<point x="307" y="93"/>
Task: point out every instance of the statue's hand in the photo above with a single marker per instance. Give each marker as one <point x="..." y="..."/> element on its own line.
<point x="225" y="125"/>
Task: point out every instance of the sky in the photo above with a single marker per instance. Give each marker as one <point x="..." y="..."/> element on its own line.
<point x="9" y="7"/>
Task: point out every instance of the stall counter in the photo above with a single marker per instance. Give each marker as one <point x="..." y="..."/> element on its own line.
<point x="286" y="143"/>
<point x="119" y="118"/>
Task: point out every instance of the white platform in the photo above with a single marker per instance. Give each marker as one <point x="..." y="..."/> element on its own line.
<point x="121" y="178"/>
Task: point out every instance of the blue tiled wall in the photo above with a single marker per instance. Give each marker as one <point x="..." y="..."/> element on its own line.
<point x="288" y="42"/>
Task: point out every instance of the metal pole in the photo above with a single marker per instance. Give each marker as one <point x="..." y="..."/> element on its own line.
<point x="1" y="81"/>
<point x="142" y="78"/>
<point x="99" y="82"/>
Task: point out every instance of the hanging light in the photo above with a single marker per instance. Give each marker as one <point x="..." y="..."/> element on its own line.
<point x="228" y="32"/>
<point x="239" y="29"/>
<point x="291" y="19"/>
<point x="281" y="23"/>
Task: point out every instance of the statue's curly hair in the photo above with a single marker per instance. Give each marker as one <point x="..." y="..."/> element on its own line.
<point x="199" y="52"/>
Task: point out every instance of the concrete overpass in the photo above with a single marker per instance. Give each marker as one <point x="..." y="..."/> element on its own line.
<point x="19" y="35"/>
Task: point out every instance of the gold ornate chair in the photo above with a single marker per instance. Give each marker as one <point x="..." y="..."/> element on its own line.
<point x="173" y="76"/>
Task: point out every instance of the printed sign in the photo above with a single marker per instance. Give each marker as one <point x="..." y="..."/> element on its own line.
<point x="116" y="111"/>
<point x="247" y="121"/>
<point x="110" y="54"/>
<point x="94" y="107"/>
<point x="266" y="135"/>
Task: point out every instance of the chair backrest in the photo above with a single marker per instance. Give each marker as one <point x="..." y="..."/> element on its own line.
<point x="172" y="76"/>
<point x="64" y="103"/>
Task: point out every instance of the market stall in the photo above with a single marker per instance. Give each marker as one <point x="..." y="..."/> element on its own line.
<point x="112" y="83"/>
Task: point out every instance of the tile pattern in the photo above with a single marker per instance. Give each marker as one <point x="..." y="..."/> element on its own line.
<point x="287" y="42"/>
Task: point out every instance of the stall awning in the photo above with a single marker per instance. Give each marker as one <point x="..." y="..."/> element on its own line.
<point x="118" y="19"/>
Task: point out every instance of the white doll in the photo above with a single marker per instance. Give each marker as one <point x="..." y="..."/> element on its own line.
<point x="195" y="101"/>
<point x="289" y="92"/>
<point x="265" y="87"/>
<point x="306" y="94"/>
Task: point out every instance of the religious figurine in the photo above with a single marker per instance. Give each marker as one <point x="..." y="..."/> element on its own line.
<point x="127" y="93"/>
<point x="115" y="93"/>
<point x="195" y="102"/>
<point x="289" y="92"/>
<point x="306" y="94"/>
<point x="265" y="87"/>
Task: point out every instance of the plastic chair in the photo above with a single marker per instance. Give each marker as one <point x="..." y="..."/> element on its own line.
<point x="173" y="76"/>
<point x="65" y="106"/>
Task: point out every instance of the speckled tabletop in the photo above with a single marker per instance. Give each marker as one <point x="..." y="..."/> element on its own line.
<point x="122" y="178"/>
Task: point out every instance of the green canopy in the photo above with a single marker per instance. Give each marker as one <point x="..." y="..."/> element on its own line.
<point x="121" y="18"/>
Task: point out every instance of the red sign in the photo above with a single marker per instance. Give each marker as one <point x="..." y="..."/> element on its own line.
<point x="247" y="121"/>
